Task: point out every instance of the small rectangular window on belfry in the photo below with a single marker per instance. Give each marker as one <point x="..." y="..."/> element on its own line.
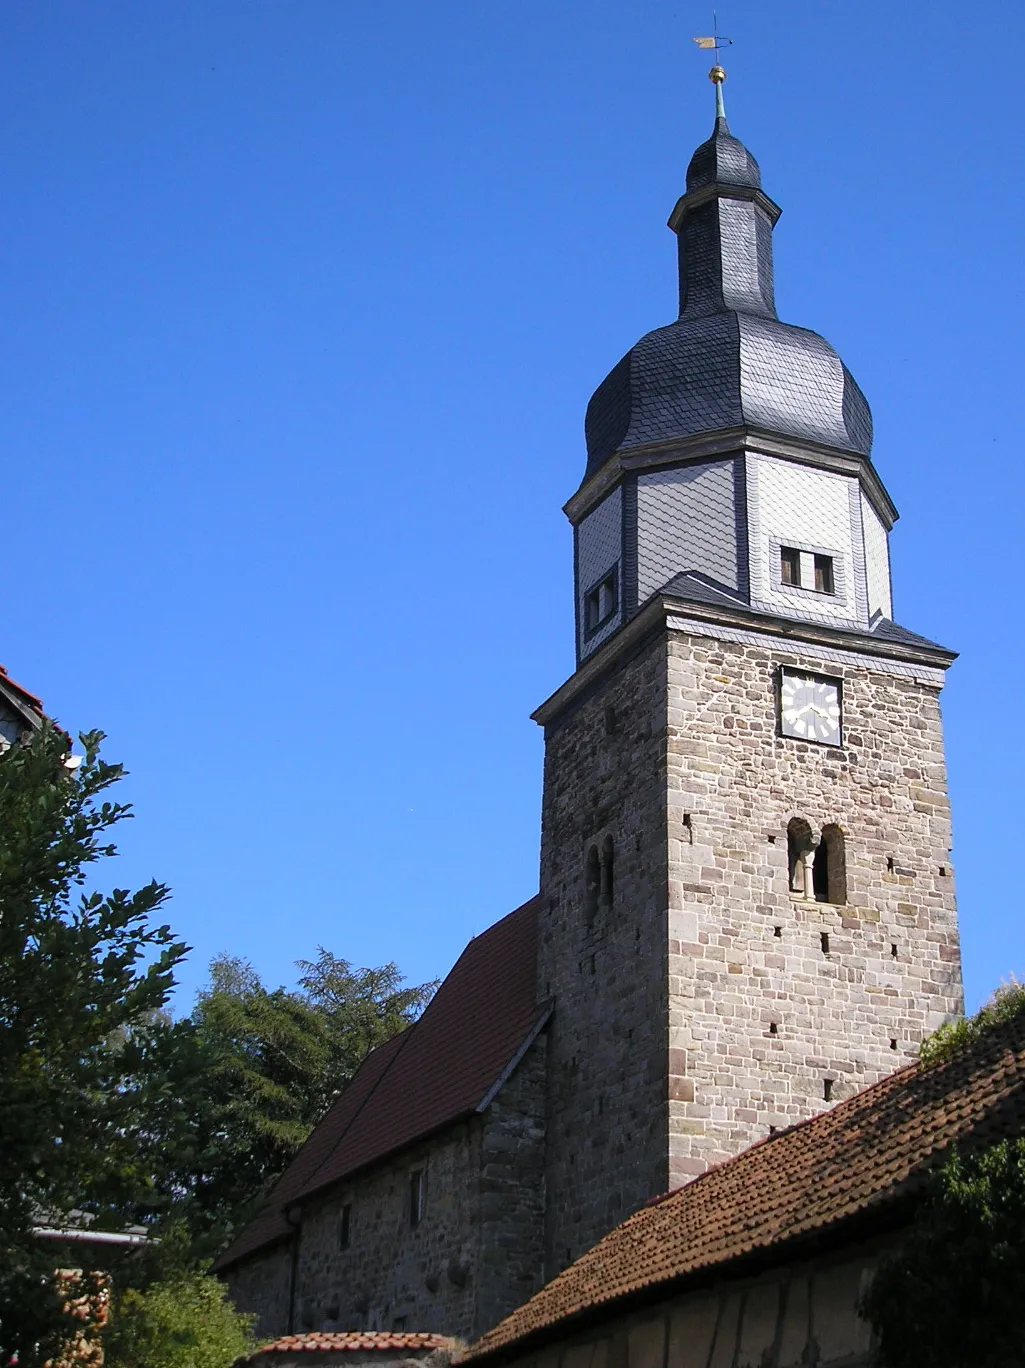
<point x="824" y="574"/>
<point x="345" y="1226"/>
<point x="416" y="1197"/>
<point x="601" y="603"/>
<point x="790" y="565"/>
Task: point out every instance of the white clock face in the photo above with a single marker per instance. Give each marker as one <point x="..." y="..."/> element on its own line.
<point x="810" y="708"/>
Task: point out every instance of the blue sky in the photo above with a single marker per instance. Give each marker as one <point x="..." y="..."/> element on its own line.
<point x="301" y="308"/>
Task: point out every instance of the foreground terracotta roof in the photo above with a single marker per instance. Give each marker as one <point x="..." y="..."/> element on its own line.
<point x="361" y="1340"/>
<point x="438" y="1070"/>
<point x="863" y="1154"/>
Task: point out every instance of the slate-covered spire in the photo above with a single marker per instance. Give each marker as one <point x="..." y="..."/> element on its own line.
<point x="724" y="226"/>
<point x="727" y="362"/>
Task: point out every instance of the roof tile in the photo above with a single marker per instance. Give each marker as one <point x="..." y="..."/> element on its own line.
<point x="438" y="1070"/>
<point x="862" y="1154"/>
<point x="353" y="1340"/>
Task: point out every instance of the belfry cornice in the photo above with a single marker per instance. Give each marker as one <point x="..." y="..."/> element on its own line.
<point x="731" y="442"/>
<point x="666" y="612"/>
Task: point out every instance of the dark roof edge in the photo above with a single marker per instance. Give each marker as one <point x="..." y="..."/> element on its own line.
<point x="655" y="613"/>
<point x="222" y="1265"/>
<point x="726" y="442"/>
<point x="481" y="1106"/>
<point x="383" y="1157"/>
<point x="877" y="1220"/>
<point x="317" y="1188"/>
<point x="26" y="704"/>
<point x="510" y="1068"/>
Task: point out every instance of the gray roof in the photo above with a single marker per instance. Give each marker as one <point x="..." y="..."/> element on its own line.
<point x="695" y="587"/>
<point x="728" y="361"/>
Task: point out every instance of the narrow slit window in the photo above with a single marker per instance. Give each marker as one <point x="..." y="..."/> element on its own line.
<point x="606" y="873"/>
<point x="790" y="565"/>
<point x="416" y="1197"/>
<point x="592" y="883"/>
<point x="601" y="603"/>
<point x="345" y="1226"/>
<point x="827" y="1089"/>
<point x="824" y="581"/>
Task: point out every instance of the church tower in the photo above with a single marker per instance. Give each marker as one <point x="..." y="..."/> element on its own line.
<point x="747" y="900"/>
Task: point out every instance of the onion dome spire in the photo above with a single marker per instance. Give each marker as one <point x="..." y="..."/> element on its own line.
<point x="728" y="362"/>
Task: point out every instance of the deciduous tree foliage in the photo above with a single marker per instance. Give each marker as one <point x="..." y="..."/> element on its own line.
<point x="185" y="1322"/>
<point x="84" y="977"/>
<point x="259" y="1067"/>
<point x="952" y="1297"/>
<point x="107" y="1106"/>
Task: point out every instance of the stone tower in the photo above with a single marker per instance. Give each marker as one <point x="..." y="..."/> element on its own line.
<point x="747" y="898"/>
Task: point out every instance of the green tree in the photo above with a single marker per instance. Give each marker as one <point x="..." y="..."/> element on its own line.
<point x="952" y="1296"/>
<point x="256" y="1070"/>
<point x="84" y="977"/>
<point x="186" y="1322"/>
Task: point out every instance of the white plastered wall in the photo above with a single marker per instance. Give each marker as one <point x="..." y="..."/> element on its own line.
<point x="811" y="510"/>
<point x="877" y="561"/>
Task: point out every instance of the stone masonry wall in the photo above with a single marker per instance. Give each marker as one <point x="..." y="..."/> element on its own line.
<point x="607" y="1140"/>
<point x="704" y="1006"/>
<point x="790" y="1317"/>
<point x="476" y="1253"/>
<point x="393" y="1275"/>
<point x="260" y="1285"/>
<point x="761" y="1013"/>
<point x="512" y="1192"/>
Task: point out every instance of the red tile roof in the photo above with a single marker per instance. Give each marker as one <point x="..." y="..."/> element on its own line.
<point x="35" y="703"/>
<point x="440" y="1069"/>
<point x="356" y="1340"/>
<point x="863" y="1155"/>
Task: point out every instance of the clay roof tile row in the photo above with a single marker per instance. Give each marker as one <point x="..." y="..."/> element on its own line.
<point x="863" y="1154"/>
<point x="353" y="1341"/>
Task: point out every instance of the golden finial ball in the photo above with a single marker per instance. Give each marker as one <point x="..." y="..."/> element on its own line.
<point x="717" y="74"/>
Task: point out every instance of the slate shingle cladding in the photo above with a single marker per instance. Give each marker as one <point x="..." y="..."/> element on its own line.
<point x="728" y="361"/>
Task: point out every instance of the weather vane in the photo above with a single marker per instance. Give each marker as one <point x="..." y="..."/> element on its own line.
<point x="718" y="73"/>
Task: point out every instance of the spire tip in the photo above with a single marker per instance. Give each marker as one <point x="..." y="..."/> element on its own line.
<point x="717" y="75"/>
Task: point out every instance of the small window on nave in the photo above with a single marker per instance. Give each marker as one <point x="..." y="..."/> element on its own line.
<point x="607" y="873"/>
<point x="416" y="1197"/>
<point x="345" y="1226"/>
<point x="592" y="883"/>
